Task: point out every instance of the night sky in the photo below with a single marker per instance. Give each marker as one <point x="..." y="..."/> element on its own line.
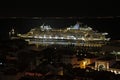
<point x="103" y="16"/>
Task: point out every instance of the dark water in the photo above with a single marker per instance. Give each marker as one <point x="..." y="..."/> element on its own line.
<point x="23" y="25"/>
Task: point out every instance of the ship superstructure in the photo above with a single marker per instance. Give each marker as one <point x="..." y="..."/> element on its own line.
<point x="78" y="35"/>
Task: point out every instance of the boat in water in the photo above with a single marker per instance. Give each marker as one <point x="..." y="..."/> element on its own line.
<point x="77" y="35"/>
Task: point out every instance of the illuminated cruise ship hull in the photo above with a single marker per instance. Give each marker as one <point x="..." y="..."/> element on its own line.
<point x="75" y="35"/>
<point x="65" y="42"/>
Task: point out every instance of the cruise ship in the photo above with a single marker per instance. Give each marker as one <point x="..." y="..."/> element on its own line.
<point x="77" y="35"/>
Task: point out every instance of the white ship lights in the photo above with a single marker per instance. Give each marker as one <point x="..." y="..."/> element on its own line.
<point x="73" y="34"/>
<point x="47" y="27"/>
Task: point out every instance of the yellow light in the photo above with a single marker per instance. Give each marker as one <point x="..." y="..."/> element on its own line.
<point x="84" y="64"/>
